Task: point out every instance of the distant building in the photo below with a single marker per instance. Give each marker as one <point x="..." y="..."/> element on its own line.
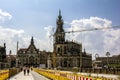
<point x="97" y="64"/>
<point x="31" y="56"/>
<point x="68" y="54"/>
<point x="11" y="60"/>
<point x="2" y="53"/>
<point x="2" y="56"/>
<point x="113" y="61"/>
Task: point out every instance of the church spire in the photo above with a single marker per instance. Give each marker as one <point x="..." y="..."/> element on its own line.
<point x="59" y="34"/>
<point x="4" y="45"/>
<point x="32" y="40"/>
<point x="59" y="23"/>
<point x="17" y="47"/>
<point x="59" y="16"/>
<point x="84" y="51"/>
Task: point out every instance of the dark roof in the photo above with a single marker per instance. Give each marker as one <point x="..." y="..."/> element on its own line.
<point x="31" y="46"/>
<point x="23" y="49"/>
<point x="12" y="57"/>
<point x="72" y="42"/>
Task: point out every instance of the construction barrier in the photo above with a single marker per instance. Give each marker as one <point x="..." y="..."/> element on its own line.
<point x="62" y="75"/>
<point x="13" y="71"/>
<point x="51" y="74"/>
<point x="4" y="74"/>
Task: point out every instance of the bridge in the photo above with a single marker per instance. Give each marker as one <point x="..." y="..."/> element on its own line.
<point x="45" y="74"/>
<point x="31" y="76"/>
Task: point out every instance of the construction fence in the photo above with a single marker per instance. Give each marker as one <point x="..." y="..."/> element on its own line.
<point x="64" y="75"/>
<point x="115" y="71"/>
<point x="5" y="74"/>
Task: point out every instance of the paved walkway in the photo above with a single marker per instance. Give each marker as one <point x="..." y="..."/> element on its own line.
<point x="32" y="76"/>
<point x="38" y="76"/>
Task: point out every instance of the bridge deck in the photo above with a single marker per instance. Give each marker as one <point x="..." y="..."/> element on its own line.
<point x="32" y="76"/>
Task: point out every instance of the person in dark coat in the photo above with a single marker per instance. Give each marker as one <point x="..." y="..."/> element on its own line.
<point x="24" y="70"/>
<point x="28" y="70"/>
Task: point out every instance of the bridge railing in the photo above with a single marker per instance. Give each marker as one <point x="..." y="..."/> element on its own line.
<point x="115" y="71"/>
<point x="64" y="75"/>
<point x="5" y="74"/>
<point x="13" y="71"/>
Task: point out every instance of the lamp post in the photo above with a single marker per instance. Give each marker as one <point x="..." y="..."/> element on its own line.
<point x="80" y="61"/>
<point x="107" y="54"/>
<point x="96" y="56"/>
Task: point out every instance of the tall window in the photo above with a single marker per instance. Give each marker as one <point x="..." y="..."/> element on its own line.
<point x="58" y="50"/>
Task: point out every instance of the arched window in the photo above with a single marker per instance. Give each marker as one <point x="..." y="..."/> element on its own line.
<point x="58" y="50"/>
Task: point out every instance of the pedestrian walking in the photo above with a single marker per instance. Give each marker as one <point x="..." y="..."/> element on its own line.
<point x="24" y="70"/>
<point x="28" y="70"/>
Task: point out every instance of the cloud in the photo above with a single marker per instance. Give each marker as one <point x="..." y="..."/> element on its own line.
<point x="49" y="37"/>
<point x="49" y="30"/>
<point x="4" y="16"/>
<point x="10" y="37"/>
<point x="96" y="41"/>
<point x="112" y="40"/>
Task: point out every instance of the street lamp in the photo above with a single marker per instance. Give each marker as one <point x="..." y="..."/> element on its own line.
<point x="81" y="62"/>
<point x="107" y="54"/>
<point x="96" y="55"/>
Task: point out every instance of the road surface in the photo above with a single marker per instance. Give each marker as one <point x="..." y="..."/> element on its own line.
<point x="32" y="76"/>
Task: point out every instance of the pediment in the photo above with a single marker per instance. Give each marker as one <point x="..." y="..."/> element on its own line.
<point x="31" y="48"/>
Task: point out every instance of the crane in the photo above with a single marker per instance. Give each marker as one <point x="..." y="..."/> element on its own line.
<point x="91" y="29"/>
<point x="86" y="30"/>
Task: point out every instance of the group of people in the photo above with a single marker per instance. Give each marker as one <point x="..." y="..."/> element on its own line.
<point x="26" y="70"/>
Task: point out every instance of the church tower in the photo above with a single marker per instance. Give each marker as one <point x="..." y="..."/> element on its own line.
<point x="59" y="34"/>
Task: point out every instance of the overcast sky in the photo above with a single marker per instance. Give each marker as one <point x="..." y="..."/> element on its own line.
<point x="21" y="19"/>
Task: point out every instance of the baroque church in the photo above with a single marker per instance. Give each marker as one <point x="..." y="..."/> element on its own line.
<point x="68" y="54"/>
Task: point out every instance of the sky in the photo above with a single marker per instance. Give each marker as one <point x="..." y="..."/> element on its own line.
<point x="22" y="19"/>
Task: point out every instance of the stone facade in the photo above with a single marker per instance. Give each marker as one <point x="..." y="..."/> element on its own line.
<point x="2" y="53"/>
<point x="31" y="56"/>
<point x="111" y="61"/>
<point x="68" y="53"/>
<point x="11" y="60"/>
<point x="2" y="56"/>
